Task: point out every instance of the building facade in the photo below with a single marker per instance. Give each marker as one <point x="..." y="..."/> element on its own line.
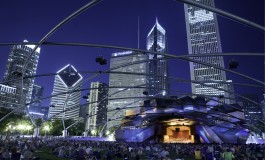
<point x="126" y="90"/>
<point x="97" y="109"/>
<point x="253" y="112"/>
<point x="67" y="80"/>
<point x="35" y="106"/>
<point x="37" y="94"/>
<point x="12" y="77"/>
<point x="157" y="65"/>
<point x="203" y="37"/>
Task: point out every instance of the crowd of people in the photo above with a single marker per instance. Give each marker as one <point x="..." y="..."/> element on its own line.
<point x="24" y="148"/>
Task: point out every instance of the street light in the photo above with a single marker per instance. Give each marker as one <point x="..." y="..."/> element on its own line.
<point x="20" y="128"/>
<point x="46" y="128"/>
<point x="107" y="133"/>
<point x="28" y="127"/>
<point x="93" y="132"/>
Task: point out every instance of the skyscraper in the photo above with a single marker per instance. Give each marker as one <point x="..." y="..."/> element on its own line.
<point x="16" y="60"/>
<point x="37" y="94"/>
<point x="156" y="41"/>
<point x="122" y="100"/>
<point x="98" y="105"/>
<point x="67" y="80"/>
<point x="203" y="37"/>
<point x="35" y="106"/>
<point x="253" y="113"/>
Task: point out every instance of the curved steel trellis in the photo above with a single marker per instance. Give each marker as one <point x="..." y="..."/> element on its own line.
<point x="90" y="5"/>
<point x="167" y="55"/>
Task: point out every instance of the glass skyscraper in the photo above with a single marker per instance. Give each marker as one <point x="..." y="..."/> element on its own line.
<point x="67" y="79"/>
<point x="35" y="106"/>
<point x="156" y="41"/>
<point x="203" y="37"/>
<point x="98" y="105"/>
<point x="124" y="101"/>
<point x="12" y="76"/>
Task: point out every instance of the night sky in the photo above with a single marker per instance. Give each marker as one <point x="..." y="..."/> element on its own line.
<point x="115" y="23"/>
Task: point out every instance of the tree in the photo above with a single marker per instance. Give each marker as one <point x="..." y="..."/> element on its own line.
<point x="57" y="127"/>
<point x="38" y="122"/>
<point x="11" y="119"/>
<point x="46" y="127"/>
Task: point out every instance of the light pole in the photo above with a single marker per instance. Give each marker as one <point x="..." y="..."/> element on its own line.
<point x="28" y="127"/>
<point x="20" y="128"/>
<point x="46" y="128"/>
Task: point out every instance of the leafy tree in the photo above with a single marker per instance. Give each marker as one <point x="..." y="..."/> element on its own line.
<point x="48" y="124"/>
<point x="79" y="128"/>
<point x="12" y="119"/>
<point x="38" y="122"/>
<point x="57" y="127"/>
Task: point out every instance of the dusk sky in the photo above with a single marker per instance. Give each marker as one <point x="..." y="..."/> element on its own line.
<point x="114" y="22"/>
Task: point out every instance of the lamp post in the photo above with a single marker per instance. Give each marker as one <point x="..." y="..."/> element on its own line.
<point x="46" y="128"/>
<point x="28" y="127"/>
<point x="20" y="128"/>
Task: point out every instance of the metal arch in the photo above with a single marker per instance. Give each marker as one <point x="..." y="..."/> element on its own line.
<point x="109" y="87"/>
<point x="196" y="118"/>
<point x="224" y="13"/>
<point x="225" y="90"/>
<point x="152" y="97"/>
<point x="107" y="96"/>
<point x="167" y="55"/>
<point x="140" y="51"/>
<point x="119" y="72"/>
<point x="173" y="56"/>
<point x="125" y="108"/>
<point x="73" y="15"/>
<point x="67" y="19"/>
<point x="131" y="87"/>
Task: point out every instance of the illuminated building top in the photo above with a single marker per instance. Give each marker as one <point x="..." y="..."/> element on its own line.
<point x="69" y="76"/>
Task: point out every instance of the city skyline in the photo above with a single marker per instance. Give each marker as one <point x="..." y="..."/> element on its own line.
<point x="107" y="28"/>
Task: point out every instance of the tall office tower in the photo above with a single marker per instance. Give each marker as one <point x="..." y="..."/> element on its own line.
<point x="230" y="87"/>
<point x="12" y="76"/>
<point x="156" y="41"/>
<point x="253" y="112"/>
<point x="97" y="106"/>
<point x="37" y="94"/>
<point x="203" y="37"/>
<point x="122" y="101"/>
<point x="67" y="80"/>
<point x="35" y="106"/>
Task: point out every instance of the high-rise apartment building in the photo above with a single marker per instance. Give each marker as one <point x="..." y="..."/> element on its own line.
<point x="12" y="77"/>
<point x="157" y="66"/>
<point x="203" y="37"/>
<point x="67" y="80"/>
<point x="253" y="112"/>
<point x="98" y="105"/>
<point x="124" y="100"/>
